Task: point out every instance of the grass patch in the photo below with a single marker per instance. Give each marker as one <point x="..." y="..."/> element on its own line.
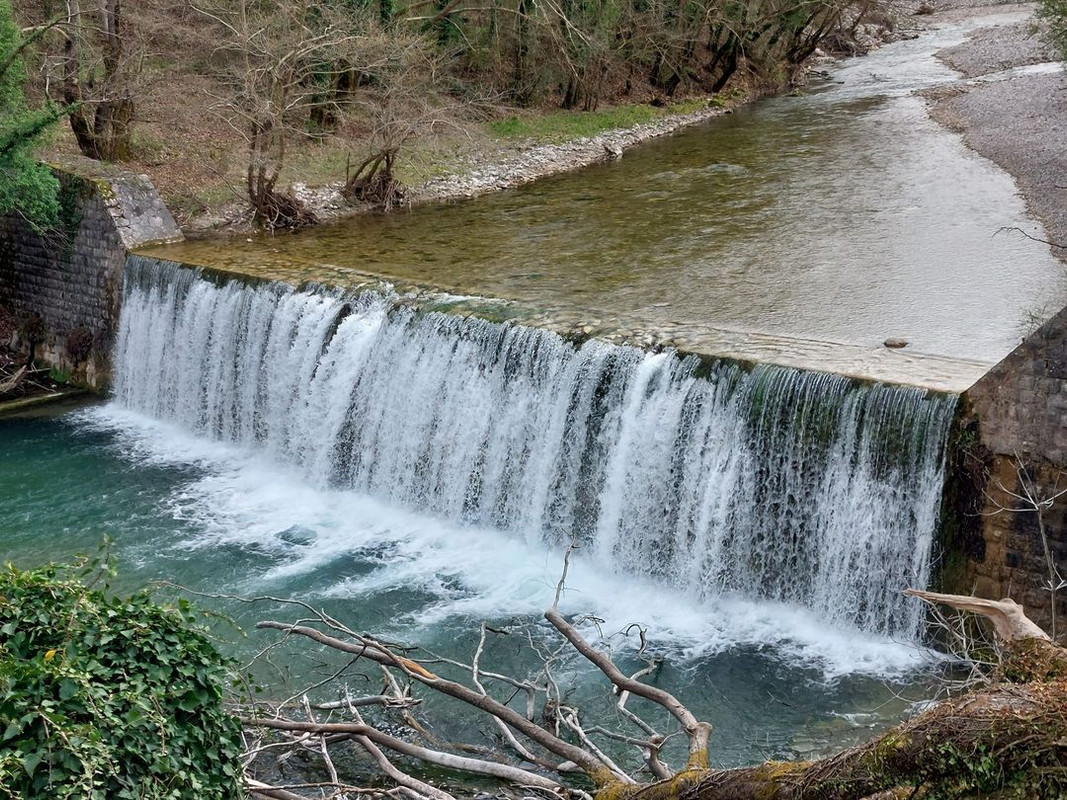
<point x="323" y="162"/>
<point x="436" y="156"/>
<point x="560" y="126"/>
<point x="317" y="163"/>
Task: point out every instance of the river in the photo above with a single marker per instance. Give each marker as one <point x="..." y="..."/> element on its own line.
<point x="417" y="474"/>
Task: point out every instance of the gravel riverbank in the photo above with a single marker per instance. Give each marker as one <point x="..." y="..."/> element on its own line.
<point x="1018" y="122"/>
<point x="529" y="162"/>
<point x="997" y="48"/>
<point x="509" y="166"/>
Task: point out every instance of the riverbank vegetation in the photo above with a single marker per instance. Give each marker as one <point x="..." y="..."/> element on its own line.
<point x="1053" y="14"/>
<point x="108" y="696"/>
<point x="26" y="187"/>
<point x="224" y="97"/>
<point x="111" y="696"/>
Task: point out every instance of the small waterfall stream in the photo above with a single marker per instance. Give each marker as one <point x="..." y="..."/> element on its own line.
<point x="774" y="483"/>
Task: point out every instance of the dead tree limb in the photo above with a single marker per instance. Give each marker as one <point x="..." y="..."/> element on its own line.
<point x="378" y="653"/>
<point x="473" y="766"/>
<point x="1007" y="616"/>
<point x="697" y="732"/>
<point x="1007" y="737"/>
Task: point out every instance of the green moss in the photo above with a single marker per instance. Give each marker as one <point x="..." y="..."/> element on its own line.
<point x="959" y="541"/>
<point x="59" y="375"/>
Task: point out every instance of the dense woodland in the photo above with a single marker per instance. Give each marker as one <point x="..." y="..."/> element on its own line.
<point x="197" y="82"/>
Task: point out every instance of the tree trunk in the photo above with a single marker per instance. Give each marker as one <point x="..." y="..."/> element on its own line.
<point x="101" y="127"/>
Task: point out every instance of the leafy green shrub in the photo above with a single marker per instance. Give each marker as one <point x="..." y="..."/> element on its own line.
<point x="105" y="697"/>
<point x="26" y="187"/>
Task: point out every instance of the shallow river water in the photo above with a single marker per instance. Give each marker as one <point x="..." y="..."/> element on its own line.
<point x="844" y="215"/>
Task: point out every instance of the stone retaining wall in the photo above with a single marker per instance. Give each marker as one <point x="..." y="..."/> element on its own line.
<point x="63" y="287"/>
<point x="1008" y="535"/>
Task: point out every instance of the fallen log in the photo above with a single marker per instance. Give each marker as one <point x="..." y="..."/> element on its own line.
<point x="10" y="384"/>
<point x="1005" y="738"/>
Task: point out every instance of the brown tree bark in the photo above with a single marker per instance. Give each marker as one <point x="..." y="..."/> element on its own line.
<point x="102" y="108"/>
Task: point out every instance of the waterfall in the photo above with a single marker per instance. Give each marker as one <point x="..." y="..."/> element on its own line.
<point x="775" y="483"/>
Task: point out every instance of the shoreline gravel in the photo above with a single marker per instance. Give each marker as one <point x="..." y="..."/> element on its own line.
<point x="517" y="164"/>
<point x="1017" y="123"/>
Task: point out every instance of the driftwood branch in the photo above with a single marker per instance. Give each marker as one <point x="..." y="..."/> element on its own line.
<point x="373" y="651"/>
<point x="473" y="766"/>
<point x="1007" y="616"/>
<point x="697" y="731"/>
<point x="11" y="384"/>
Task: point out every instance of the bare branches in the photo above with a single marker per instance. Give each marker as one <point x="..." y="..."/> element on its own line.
<point x="560" y="731"/>
<point x="282" y="52"/>
<point x="553" y="737"/>
<point x="360" y="730"/>
<point x="372" y="650"/>
<point x="1031" y="237"/>
<point x="697" y="732"/>
<point x="1032" y="497"/>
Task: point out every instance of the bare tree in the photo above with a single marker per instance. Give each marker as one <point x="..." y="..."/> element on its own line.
<point x="1032" y="496"/>
<point x="404" y="100"/>
<point x="277" y="54"/>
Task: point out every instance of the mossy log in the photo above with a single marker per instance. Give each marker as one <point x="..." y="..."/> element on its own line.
<point x="1008" y="738"/>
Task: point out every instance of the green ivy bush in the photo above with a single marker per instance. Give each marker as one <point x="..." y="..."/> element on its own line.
<point x="105" y="697"/>
<point x="26" y="187"/>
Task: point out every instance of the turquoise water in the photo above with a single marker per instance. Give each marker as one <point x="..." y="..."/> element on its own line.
<point x="772" y="679"/>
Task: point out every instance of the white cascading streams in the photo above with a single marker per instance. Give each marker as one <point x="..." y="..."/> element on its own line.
<point x="773" y="483"/>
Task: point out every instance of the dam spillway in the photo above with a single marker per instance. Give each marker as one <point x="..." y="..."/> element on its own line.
<point x="767" y="483"/>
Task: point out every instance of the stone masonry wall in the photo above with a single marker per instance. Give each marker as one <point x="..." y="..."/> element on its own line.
<point x="1009" y="536"/>
<point x="63" y="287"/>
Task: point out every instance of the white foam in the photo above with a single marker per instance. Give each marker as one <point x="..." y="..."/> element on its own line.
<point x="239" y="497"/>
<point x="805" y="488"/>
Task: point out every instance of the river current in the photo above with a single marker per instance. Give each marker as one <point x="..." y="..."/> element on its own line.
<point x="417" y="473"/>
